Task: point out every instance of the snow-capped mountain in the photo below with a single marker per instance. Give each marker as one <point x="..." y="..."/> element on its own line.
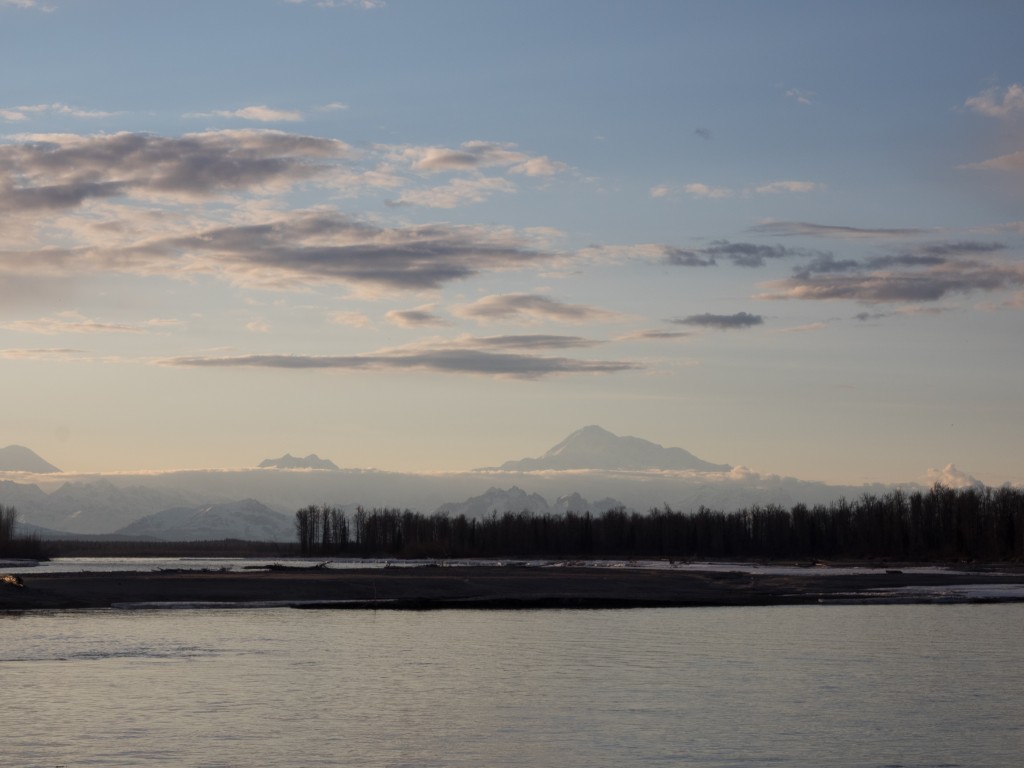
<point x="247" y="520"/>
<point x="294" y="462"/>
<point x="18" y="458"/>
<point x="596" y="448"/>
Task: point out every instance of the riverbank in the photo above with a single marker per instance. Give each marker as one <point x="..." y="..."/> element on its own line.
<point x="506" y="587"/>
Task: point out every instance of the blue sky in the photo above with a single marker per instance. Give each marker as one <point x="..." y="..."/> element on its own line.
<point x="434" y="236"/>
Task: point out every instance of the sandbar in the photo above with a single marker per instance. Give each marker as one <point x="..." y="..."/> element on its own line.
<point x="485" y="587"/>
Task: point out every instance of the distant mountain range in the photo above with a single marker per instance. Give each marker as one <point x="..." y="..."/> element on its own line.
<point x="515" y="499"/>
<point x="591" y="463"/>
<point x="293" y="462"/>
<point x="596" y="448"/>
<point x="248" y="520"/>
<point x="18" y="458"/>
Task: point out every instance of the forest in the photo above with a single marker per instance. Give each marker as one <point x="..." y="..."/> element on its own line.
<point x="941" y="524"/>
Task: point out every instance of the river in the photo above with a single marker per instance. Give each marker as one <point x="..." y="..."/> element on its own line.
<point x="850" y="685"/>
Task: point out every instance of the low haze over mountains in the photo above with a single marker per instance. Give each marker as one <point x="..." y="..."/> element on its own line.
<point x="589" y="464"/>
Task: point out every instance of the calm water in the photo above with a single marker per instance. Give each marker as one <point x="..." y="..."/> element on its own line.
<point x="906" y="685"/>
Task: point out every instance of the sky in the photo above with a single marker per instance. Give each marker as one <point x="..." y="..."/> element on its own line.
<point x="432" y="236"/>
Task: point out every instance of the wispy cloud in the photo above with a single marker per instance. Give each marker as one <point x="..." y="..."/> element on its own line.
<point x="697" y="189"/>
<point x="419" y="317"/>
<point x="531" y="341"/>
<point x="740" y="254"/>
<point x="69" y="322"/>
<point x="23" y="113"/>
<point x="304" y="248"/>
<point x="519" y="307"/>
<point x="1011" y="162"/>
<point x="930" y="284"/>
<point x="998" y="102"/>
<point x="457" y="192"/>
<point x="441" y="360"/>
<point x="704" y="133"/>
<point x="654" y="335"/>
<point x="367" y="5"/>
<point x="721" y="322"/>
<point x="351" y="319"/>
<point x="700" y="190"/>
<point x="794" y="228"/>
<point x="475" y="155"/>
<point x="59" y="171"/>
<point x="34" y="4"/>
<point x="800" y="96"/>
<point x="42" y="354"/>
<point x="777" y="187"/>
<point x="259" y="113"/>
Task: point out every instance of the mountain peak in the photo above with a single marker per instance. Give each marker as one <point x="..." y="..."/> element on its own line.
<point x="312" y="461"/>
<point x="594" y="447"/>
<point x="18" y="458"/>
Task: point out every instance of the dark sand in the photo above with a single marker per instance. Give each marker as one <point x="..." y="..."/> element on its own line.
<point x="479" y="587"/>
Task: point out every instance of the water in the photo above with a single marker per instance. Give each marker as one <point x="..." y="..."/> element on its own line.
<point x="898" y="685"/>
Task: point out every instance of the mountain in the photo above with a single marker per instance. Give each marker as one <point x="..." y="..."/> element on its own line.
<point x="596" y="448"/>
<point x="92" y="507"/>
<point x="293" y="462"/>
<point x="18" y="458"/>
<point x="248" y="520"/>
<point x="515" y="499"/>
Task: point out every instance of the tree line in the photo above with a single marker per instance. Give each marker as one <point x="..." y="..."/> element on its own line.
<point x="939" y="524"/>
<point x="12" y="545"/>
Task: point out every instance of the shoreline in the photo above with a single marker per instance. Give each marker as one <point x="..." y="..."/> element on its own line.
<point x="498" y="588"/>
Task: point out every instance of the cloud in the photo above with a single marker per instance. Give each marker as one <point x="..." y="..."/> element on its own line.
<point x="352" y="319"/>
<point x="661" y="190"/>
<point x="721" y="322"/>
<point x="456" y="193"/>
<point x="769" y="188"/>
<point x="439" y="360"/>
<point x="334" y="106"/>
<point x="531" y="341"/>
<point x="415" y="318"/>
<point x="925" y="255"/>
<point x="790" y="228"/>
<point x="998" y="102"/>
<point x="930" y="284"/>
<point x="296" y="251"/>
<point x="1011" y="162"/>
<point x="800" y="96"/>
<point x="519" y="307"/>
<point x="654" y="335"/>
<point x="952" y="477"/>
<point x="366" y="5"/>
<point x="740" y="254"/>
<point x="68" y="322"/>
<point x="42" y="354"/>
<point x="704" y="191"/>
<point x="302" y="249"/>
<point x="259" y="114"/>
<point x="58" y="171"/>
<point x="775" y="187"/>
<point x="865" y="316"/>
<point x="704" y="133"/>
<point x="19" y="114"/>
<point x="473" y="155"/>
<point x="801" y="328"/>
